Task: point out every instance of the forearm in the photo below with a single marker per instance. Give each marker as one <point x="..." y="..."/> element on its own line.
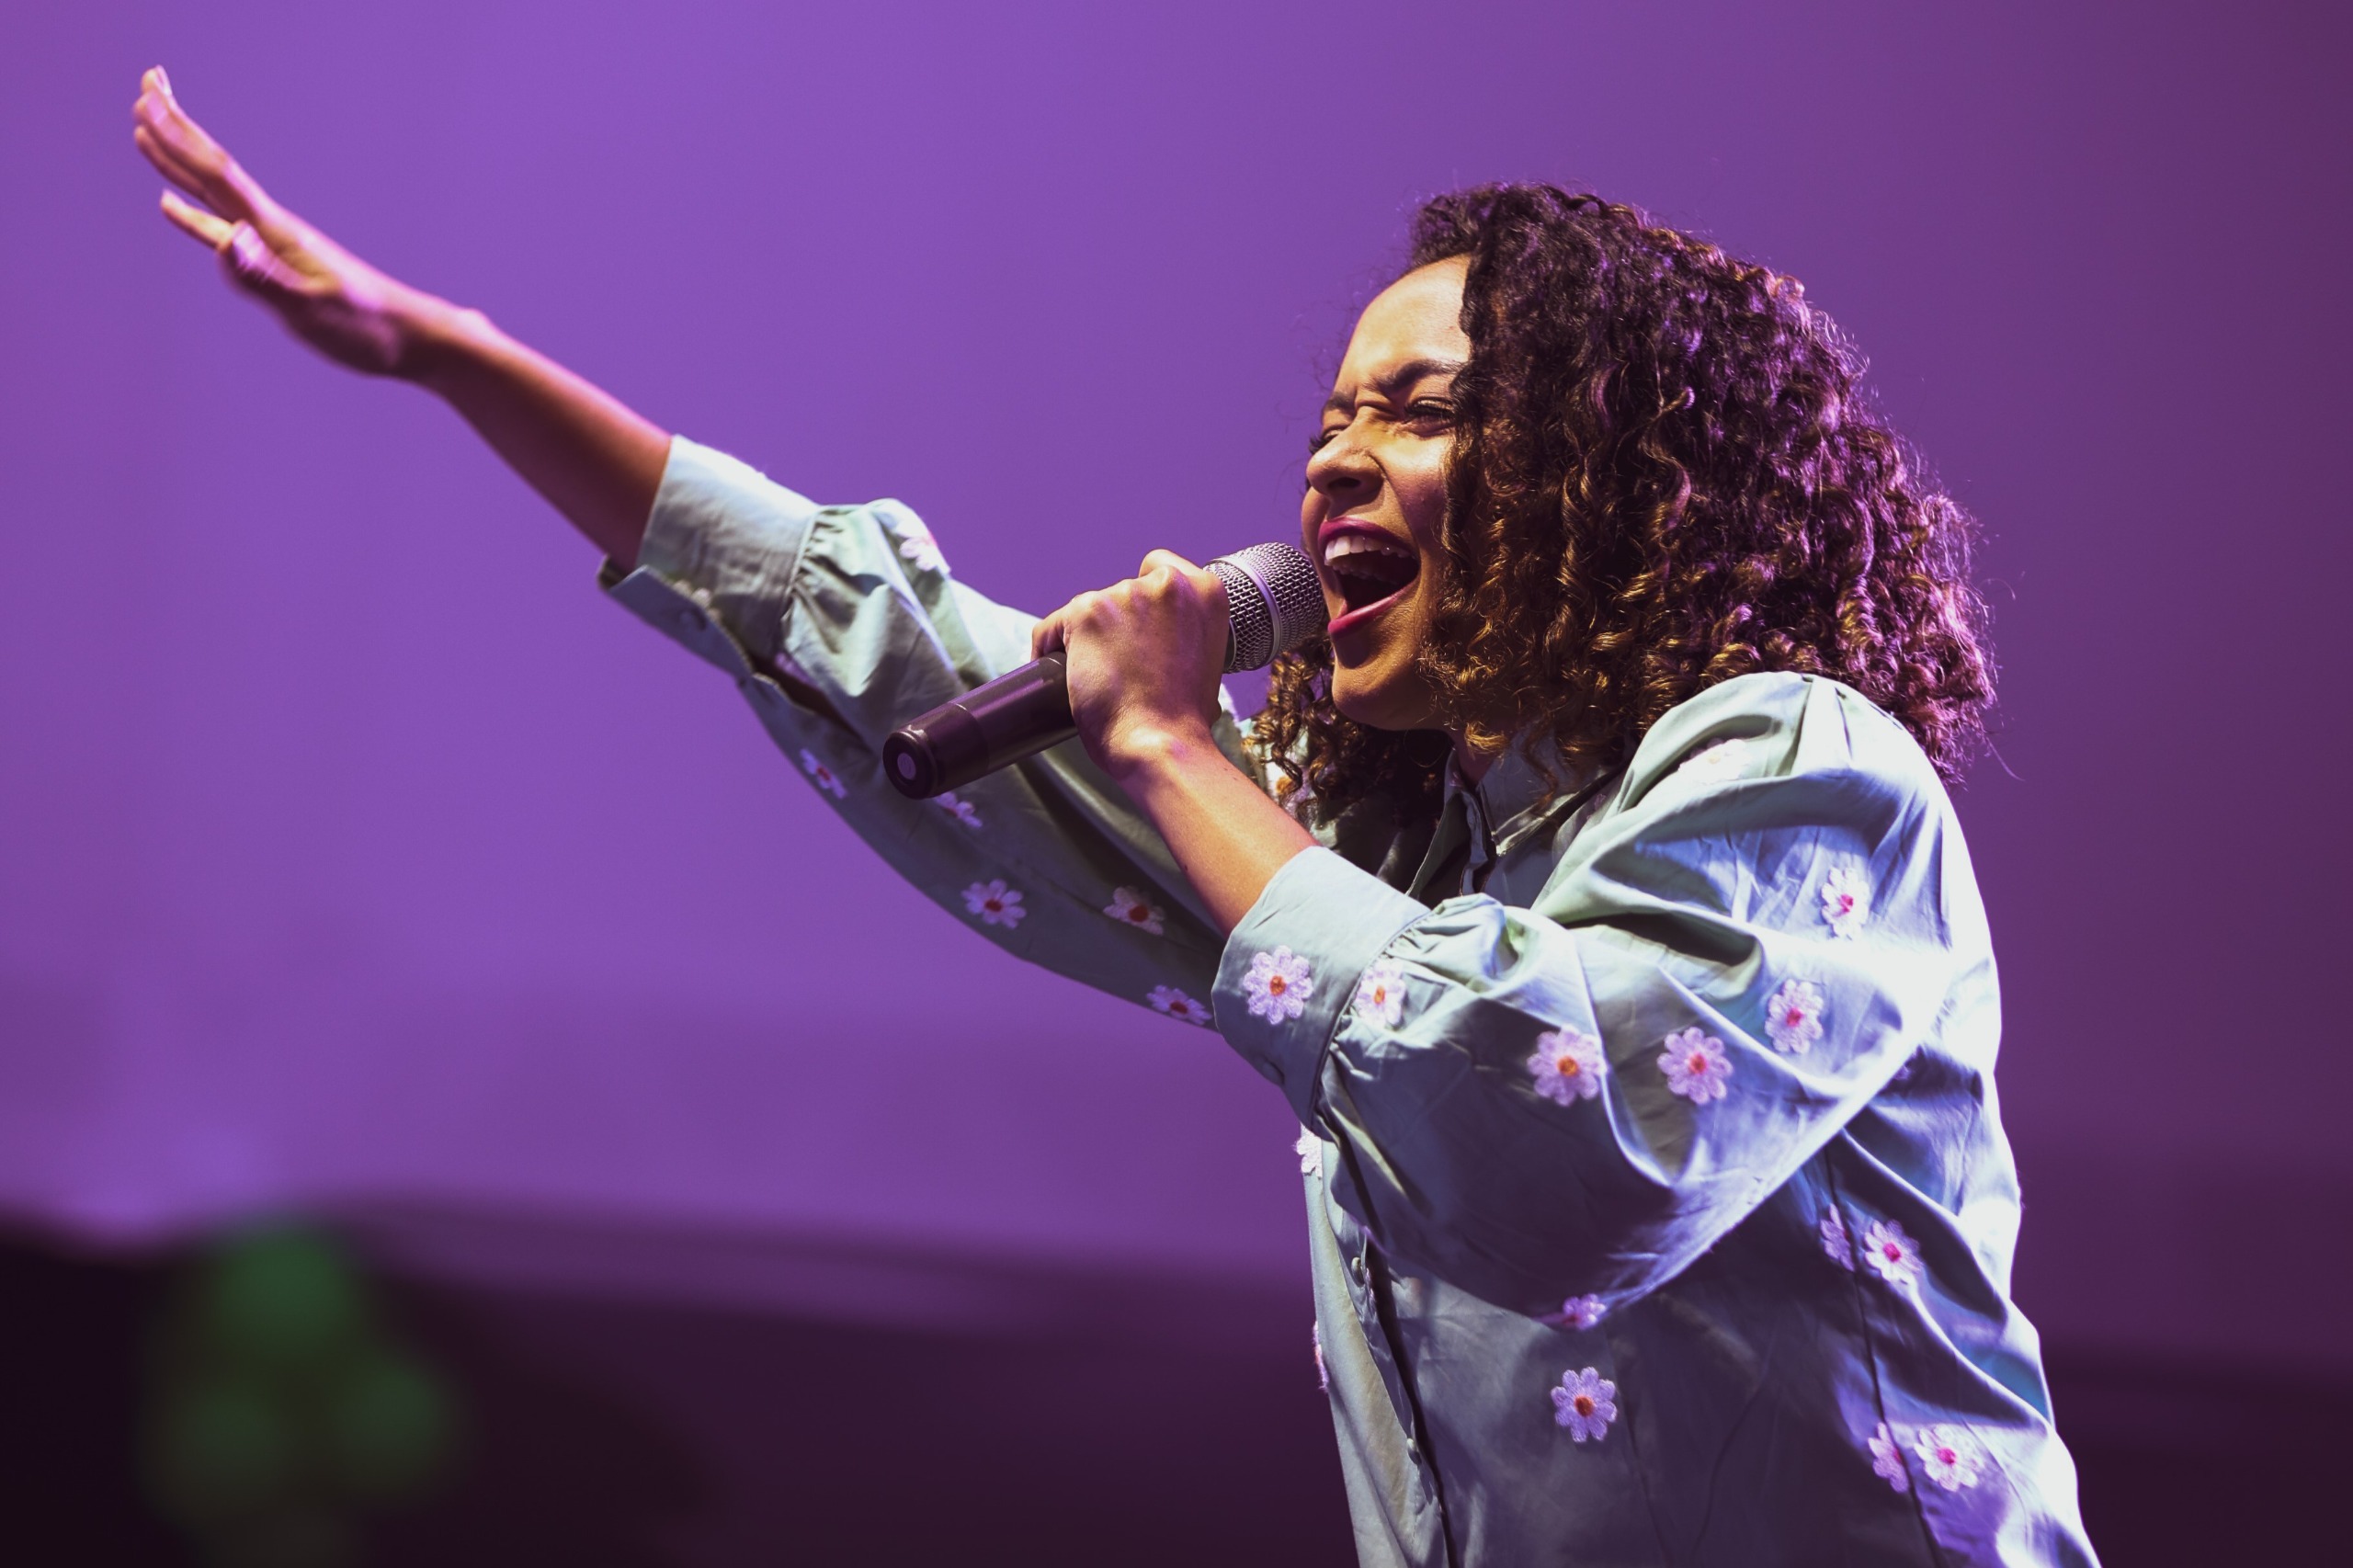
<point x="594" y="458"/>
<point x="1227" y="836"/>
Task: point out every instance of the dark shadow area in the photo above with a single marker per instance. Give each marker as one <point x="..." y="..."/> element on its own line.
<point x="602" y="1430"/>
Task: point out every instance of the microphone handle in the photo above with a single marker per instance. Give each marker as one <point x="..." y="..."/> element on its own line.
<point x="1018" y="714"/>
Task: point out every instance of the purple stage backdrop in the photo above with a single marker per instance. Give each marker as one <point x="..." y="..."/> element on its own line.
<point x="357" y="855"/>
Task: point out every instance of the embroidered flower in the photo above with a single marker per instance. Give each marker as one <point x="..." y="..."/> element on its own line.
<point x="1887" y="1461"/>
<point x="1380" y="994"/>
<point x="1322" y="1377"/>
<point x="1695" y="1065"/>
<point x="825" y="776"/>
<point x="1895" y="1255"/>
<point x="1128" y="908"/>
<point x="1279" y="986"/>
<point x="995" y="904"/>
<point x="1846" y="900"/>
<point x="955" y="806"/>
<point x="1582" y="1313"/>
<point x="1793" y="1016"/>
<point x="1567" y="1065"/>
<point x="1950" y="1455"/>
<point x="917" y="547"/>
<point x="1836" y="1242"/>
<point x="1310" y="1150"/>
<point x="1176" y="1005"/>
<point x="1716" y="762"/>
<point x="1585" y="1403"/>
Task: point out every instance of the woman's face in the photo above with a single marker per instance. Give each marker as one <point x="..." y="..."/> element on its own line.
<point x="1376" y="493"/>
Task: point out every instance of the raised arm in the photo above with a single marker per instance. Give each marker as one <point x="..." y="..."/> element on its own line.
<point x="596" y="460"/>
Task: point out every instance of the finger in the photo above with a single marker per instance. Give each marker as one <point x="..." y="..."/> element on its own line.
<point x="1166" y="561"/>
<point x="196" y="223"/>
<point x="185" y="155"/>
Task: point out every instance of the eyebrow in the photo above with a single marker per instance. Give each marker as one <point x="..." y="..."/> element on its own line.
<point x="1405" y="375"/>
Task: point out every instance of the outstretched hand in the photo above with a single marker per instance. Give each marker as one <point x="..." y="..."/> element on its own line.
<point x="325" y="296"/>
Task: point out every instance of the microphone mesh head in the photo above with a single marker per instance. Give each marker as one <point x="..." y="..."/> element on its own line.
<point x="1274" y="602"/>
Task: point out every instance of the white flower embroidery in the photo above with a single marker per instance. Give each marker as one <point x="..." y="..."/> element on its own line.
<point x="1567" y="1065"/>
<point x="1887" y="1461"/>
<point x="1322" y="1377"/>
<point x="995" y="904"/>
<point x="1585" y="1403"/>
<point x="1836" y="1242"/>
<point x="1130" y="907"/>
<point x="1951" y="1456"/>
<point x="1310" y="1150"/>
<point x="1895" y="1255"/>
<point x="1793" y="1016"/>
<point x="823" y="776"/>
<point x="1695" y="1065"/>
<point x="1279" y="986"/>
<point x="1846" y="900"/>
<point x="1582" y="1313"/>
<point x="1380" y="994"/>
<point x="1714" y="763"/>
<point x="1176" y="1005"/>
<point x="917" y="547"/>
<point x="955" y="806"/>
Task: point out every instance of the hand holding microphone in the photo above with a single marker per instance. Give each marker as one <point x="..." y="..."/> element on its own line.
<point x="1123" y="667"/>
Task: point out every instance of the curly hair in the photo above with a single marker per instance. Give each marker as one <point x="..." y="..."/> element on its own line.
<point x="1663" y="475"/>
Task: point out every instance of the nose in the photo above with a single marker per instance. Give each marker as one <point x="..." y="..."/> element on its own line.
<point x="1341" y="470"/>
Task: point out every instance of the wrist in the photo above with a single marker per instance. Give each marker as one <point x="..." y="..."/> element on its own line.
<point x="438" y="342"/>
<point x="1138" y="754"/>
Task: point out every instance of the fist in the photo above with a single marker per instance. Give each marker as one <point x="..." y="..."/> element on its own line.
<point x="1144" y="657"/>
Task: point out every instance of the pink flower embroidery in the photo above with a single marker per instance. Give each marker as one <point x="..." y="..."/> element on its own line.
<point x="1836" y="1242"/>
<point x="1951" y="1456"/>
<point x="1582" y="1313"/>
<point x="955" y="806"/>
<point x="1322" y="1377"/>
<point x="1567" y="1065"/>
<point x="995" y="904"/>
<point x="1895" y="1255"/>
<point x="1887" y="1461"/>
<point x="1380" y="994"/>
<point x="1176" y="1005"/>
<point x="1585" y="1403"/>
<point x="1310" y="1150"/>
<point x="917" y="545"/>
<point x="1793" y="1016"/>
<point x="1846" y="900"/>
<point x="1130" y="908"/>
<point x="1715" y="763"/>
<point x="1279" y="986"/>
<point x="823" y="776"/>
<point x="1696" y="1066"/>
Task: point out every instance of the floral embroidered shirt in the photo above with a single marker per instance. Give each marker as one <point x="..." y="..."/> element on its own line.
<point x="1660" y="1209"/>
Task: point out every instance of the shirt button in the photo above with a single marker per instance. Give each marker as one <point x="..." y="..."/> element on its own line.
<point x="1356" y="1267"/>
<point x="1413" y="1453"/>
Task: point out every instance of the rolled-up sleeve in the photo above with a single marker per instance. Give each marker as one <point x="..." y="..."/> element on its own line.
<point x="1581" y="1095"/>
<point x="839" y="624"/>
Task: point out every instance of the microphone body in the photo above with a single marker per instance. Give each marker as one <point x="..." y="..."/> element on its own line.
<point x="1274" y="602"/>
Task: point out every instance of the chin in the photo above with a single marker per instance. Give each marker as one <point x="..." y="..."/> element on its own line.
<point x="1394" y="703"/>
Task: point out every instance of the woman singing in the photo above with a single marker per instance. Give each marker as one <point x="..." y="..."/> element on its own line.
<point x="1591" y="892"/>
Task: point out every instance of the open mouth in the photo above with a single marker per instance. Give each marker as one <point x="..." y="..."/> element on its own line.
<point x="1368" y="570"/>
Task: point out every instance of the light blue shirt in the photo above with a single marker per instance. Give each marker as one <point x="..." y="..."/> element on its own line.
<point x="1661" y="1208"/>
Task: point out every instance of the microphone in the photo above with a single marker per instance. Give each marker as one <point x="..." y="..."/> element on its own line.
<point x="1273" y="602"/>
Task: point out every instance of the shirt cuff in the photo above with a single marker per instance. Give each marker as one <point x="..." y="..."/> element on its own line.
<point x="719" y="552"/>
<point x="1291" y="968"/>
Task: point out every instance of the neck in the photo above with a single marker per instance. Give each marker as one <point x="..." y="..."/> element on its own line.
<point x="1470" y="763"/>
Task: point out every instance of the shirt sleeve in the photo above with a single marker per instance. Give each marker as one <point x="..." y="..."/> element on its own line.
<point x="1581" y="1096"/>
<point x="839" y="624"/>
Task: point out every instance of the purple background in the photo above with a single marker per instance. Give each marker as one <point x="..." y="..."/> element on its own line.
<point x="358" y="856"/>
